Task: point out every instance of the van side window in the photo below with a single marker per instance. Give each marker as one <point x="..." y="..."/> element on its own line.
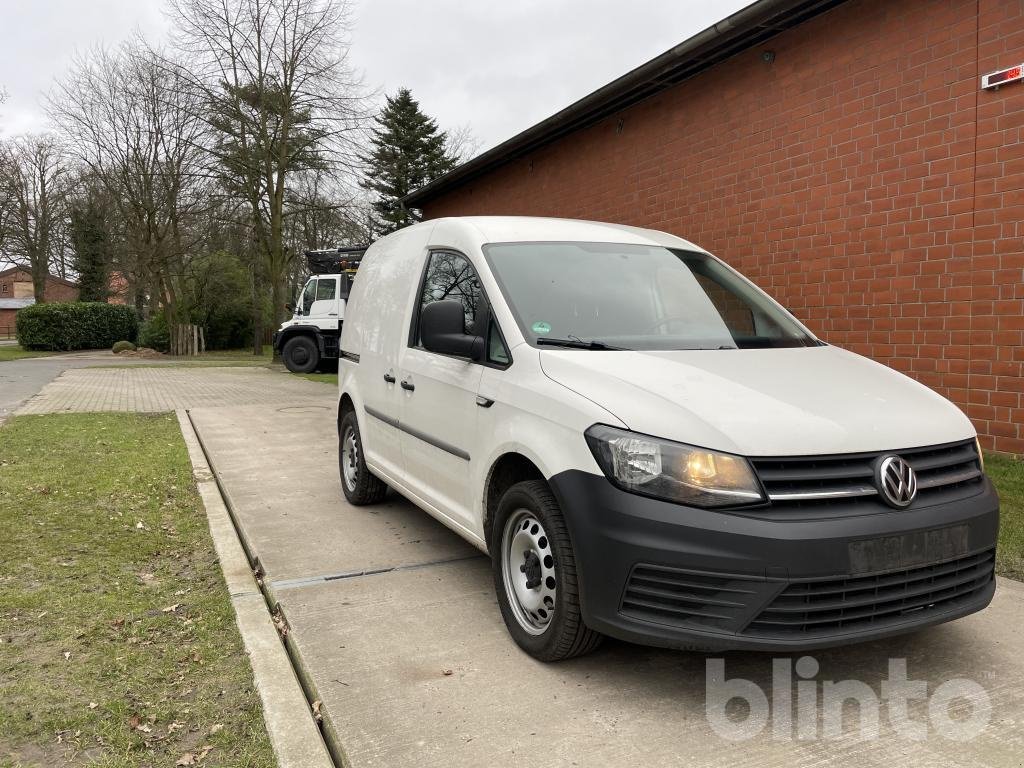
<point x="451" y="276"/>
<point x="497" y="352"/>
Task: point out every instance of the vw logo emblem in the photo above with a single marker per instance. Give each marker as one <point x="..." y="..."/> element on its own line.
<point x="896" y="482"/>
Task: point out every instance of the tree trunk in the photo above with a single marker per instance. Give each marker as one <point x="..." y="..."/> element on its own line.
<point x="257" y="315"/>
<point x="40" y="272"/>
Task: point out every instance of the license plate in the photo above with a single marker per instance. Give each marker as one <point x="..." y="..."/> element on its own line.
<point x="908" y="550"/>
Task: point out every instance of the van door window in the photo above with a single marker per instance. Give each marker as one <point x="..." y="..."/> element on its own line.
<point x="451" y="276"/>
<point x="497" y="352"/>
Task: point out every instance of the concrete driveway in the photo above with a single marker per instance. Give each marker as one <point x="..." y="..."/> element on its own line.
<point x="395" y="624"/>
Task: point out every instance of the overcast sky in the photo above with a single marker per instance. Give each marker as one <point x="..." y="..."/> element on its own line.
<point x="498" y="66"/>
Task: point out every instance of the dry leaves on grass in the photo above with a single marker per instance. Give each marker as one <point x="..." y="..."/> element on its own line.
<point x="190" y="758"/>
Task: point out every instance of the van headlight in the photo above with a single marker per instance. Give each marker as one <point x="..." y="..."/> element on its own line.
<point x="672" y="471"/>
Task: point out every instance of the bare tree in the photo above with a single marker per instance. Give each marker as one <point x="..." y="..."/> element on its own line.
<point x="34" y="185"/>
<point x="280" y="98"/>
<point x="133" y="122"/>
<point x="321" y="213"/>
<point x="462" y="144"/>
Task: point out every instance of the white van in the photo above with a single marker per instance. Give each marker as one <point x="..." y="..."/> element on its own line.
<point x="649" y="447"/>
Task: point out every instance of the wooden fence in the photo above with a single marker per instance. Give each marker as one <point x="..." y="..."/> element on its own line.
<point x="187" y="339"/>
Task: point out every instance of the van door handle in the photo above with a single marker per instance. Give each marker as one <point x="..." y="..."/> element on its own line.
<point x="389" y="378"/>
<point x="407" y="385"/>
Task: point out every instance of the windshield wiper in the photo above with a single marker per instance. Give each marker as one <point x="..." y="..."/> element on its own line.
<point x="578" y="344"/>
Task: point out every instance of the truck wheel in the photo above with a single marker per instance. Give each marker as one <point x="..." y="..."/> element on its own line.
<point x="535" y="575"/>
<point x="359" y="485"/>
<point x="301" y="354"/>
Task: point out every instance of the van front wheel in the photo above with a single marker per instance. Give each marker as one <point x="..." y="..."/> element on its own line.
<point x="535" y="575"/>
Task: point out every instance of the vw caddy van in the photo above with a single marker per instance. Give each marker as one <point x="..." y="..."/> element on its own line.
<point x="649" y="447"/>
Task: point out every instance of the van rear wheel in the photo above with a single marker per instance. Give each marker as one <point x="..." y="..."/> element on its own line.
<point x="535" y="576"/>
<point x="301" y="354"/>
<point x="359" y="486"/>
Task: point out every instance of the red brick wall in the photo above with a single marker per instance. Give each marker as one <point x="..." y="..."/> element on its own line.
<point x="862" y="178"/>
<point x="7" y="323"/>
<point x="995" y="376"/>
<point x="56" y="290"/>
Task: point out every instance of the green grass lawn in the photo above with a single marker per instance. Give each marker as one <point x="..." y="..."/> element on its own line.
<point x="1008" y="475"/>
<point x="118" y="643"/>
<point x="220" y="358"/>
<point x="325" y="378"/>
<point x="237" y="355"/>
<point x="15" y="352"/>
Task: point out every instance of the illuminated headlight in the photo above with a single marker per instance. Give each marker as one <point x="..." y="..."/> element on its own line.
<point x="672" y="471"/>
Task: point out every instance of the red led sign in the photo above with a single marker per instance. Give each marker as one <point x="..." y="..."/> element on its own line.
<point x="1003" y="76"/>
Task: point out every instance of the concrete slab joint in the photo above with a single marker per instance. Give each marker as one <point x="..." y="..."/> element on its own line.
<point x="294" y="732"/>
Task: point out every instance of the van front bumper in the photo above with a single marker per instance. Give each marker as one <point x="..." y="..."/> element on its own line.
<point x="665" y="574"/>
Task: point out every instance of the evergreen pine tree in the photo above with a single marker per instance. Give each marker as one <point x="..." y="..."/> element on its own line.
<point x="90" y="242"/>
<point x="408" y="151"/>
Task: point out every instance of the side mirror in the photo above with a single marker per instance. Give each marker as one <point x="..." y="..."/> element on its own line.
<point x="442" y="328"/>
<point x="290" y="307"/>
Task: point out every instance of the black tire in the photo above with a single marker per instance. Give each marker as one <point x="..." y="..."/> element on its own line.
<point x="565" y="635"/>
<point x="301" y="354"/>
<point x="360" y="487"/>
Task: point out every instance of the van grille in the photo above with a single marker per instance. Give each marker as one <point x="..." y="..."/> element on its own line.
<point x="944" y="473"/>
<point x="825" y="607"/>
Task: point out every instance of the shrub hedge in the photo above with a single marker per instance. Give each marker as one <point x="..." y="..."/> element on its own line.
<point x="76" y="325"/>
<point x="156" y="334"/>
<point x="123" y="346"/>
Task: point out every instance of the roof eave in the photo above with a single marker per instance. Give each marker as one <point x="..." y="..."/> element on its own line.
<point x="742" y="30"/>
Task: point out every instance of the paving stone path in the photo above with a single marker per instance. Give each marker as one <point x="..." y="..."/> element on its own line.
<point x="167" y="389"/>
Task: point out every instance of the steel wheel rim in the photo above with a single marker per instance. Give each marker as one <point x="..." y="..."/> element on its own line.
<point x="349" y="458"/>
<point x="528" y="571"/>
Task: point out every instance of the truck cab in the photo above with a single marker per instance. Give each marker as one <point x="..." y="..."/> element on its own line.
<point x="309" y="339"/>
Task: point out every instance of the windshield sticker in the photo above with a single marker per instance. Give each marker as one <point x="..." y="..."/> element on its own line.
<point x="541" y="327"/>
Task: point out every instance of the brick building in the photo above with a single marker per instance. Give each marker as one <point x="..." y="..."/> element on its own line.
<point x="841" y="154"/>
<point x="16" y="291"/>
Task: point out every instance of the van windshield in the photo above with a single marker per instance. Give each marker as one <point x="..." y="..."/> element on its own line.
<point x="636" y="297"/>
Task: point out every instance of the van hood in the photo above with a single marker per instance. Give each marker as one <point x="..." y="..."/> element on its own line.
<point x="762" y="402"/>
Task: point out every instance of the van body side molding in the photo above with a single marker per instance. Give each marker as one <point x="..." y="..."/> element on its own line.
<point x="428" y="439"/>
<point x="381" y="417"/>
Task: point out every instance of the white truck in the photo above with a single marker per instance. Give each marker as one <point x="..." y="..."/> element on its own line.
<point x="309" y="339"/>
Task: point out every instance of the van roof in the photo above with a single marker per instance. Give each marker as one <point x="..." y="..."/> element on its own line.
<point x="506" y="229"/>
